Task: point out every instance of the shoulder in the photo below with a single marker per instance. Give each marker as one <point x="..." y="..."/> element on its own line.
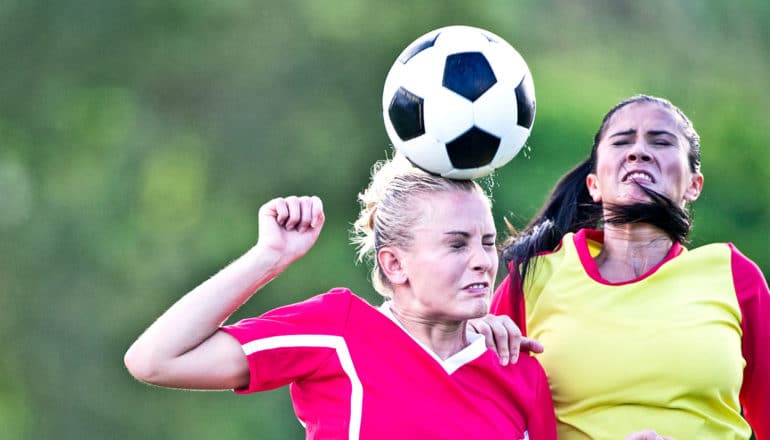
<point x="567" y="246"/>
<point x="325" y="313"/>
<point x="747" y="276"/>
<point x="743" y="267"/>
<point x="573" y="250"/>
<point x="336" y="297"/>
<point x="527" y="378"/>
<point x="526" y="372"/>
<point x="329" y="306"/>
<point x="530" y="366"/>
<point x="741" y="264"/>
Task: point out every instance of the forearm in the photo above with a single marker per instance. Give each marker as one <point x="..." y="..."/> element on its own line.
<point x="198" y="314"/>
<point x="183" y="348"/>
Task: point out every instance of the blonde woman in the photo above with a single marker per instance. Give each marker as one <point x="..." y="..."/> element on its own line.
<point x="409" y="368"/>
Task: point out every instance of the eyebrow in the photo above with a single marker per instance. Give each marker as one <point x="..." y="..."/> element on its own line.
<point x="467" y="235"/>
<point x="623" y="133"/>
<point x="659" y="132"/>
<point x="649" y="133"/>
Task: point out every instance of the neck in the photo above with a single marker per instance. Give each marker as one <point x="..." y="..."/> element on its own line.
<point x="630" y="251"/>
<point x="444" y="338"/>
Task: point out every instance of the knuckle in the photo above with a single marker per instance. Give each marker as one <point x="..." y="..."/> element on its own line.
<point x="484" y="330"/>
<point x="500" y="332"/>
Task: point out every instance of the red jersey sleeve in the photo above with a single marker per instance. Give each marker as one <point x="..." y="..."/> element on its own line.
<point x="542" y="423"/>
<point x="754" y="300"/>
<point x="289" y="343"/>
<point x="509" y="300"/>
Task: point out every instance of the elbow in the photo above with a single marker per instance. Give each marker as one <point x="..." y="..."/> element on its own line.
<point x="140" y="365"/>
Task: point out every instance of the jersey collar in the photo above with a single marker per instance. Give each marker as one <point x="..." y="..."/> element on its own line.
<point x="476" y="347"/>
<point x="588" y="243"/>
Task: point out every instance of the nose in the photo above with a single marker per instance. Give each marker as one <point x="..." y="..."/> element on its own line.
<point x="482" y="260"/>
<point x="638" y="153"/>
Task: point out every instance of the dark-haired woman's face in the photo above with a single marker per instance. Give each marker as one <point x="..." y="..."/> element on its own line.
<point x="643" y="145"/>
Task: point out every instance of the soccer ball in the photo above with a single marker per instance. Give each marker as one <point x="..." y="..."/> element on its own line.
<point x="459" y="102"/>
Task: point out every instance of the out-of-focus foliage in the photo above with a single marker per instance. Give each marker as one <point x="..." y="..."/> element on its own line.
<point x="137" y="140"/>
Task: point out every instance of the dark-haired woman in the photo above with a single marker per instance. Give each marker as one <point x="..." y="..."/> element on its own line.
<point x="679" y="339"/>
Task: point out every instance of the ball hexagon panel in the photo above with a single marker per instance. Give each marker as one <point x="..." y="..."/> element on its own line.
<point x="421" y="151"/>
<point x="455" y="39"/>
<point x="495" y="111"/>
<point x="506" y="63"/>
<point x="511" y="142"/>
<point x="470" y="173"/>
<point x="419" y="45"/>
<point x="423" y="73"/>
<point x="447" y="115"/>
<point x="420" y="76"/>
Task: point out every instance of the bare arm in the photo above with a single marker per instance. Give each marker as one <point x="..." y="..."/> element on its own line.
<point x="184" y="347"/>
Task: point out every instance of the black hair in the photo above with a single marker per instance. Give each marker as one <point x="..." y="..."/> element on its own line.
<point x="570" y="207"/>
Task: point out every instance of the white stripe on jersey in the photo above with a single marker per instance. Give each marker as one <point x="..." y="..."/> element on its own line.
<point x="343" y="354"/>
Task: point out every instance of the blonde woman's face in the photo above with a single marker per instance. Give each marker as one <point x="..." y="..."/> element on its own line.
<point x="450" y="267"/>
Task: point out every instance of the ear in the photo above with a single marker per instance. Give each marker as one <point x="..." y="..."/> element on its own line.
<point x="391" y="265"/>
<point x="694" y="189"/>
<point x="592" y="182"/>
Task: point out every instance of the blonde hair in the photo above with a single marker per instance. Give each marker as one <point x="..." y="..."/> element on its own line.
<point x="390" y="209"/>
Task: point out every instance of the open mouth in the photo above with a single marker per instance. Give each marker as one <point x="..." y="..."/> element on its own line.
<point x="639" y="177"/>
<point x="477" y="288"/>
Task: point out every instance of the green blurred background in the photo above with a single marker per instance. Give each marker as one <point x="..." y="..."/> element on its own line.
<point x="138" y="139"/>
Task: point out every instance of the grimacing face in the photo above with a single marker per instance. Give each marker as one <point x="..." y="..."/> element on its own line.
<point x="448" y="271"/>
<point x="643" y="145"/>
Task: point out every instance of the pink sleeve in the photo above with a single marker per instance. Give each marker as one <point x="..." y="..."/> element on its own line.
<point x="754" y="299"/>
<point x="281" y="345"/>
<point x="509" y="300"/>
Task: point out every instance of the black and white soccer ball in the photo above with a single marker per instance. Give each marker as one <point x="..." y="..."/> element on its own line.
<point x="459" y="102"/>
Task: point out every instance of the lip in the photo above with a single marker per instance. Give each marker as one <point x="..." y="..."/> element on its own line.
<point x="638" y="176"/>
<point x="477" y="288"/>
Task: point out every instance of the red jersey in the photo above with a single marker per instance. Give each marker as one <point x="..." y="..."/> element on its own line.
<point x="355" y="373"/>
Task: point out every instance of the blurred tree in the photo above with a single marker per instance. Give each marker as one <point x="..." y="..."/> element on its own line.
<point x="139" y="138"/>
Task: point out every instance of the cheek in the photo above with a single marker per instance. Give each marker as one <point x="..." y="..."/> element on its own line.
<point x="451" y="272"/>
<point x="495" y="260"/>
<point x="601" y="173"/>
<point x="441" y="271"/>
<point x="678" y="172"/>
<point x="606" y="168"/>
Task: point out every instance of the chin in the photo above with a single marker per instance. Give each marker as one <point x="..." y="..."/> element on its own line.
<point x="632" y="198"/>
<point x="478" y="308"/>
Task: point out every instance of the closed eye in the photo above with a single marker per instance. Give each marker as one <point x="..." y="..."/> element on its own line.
<point x="661" y="137"/>
<point x="460" y="240"/>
